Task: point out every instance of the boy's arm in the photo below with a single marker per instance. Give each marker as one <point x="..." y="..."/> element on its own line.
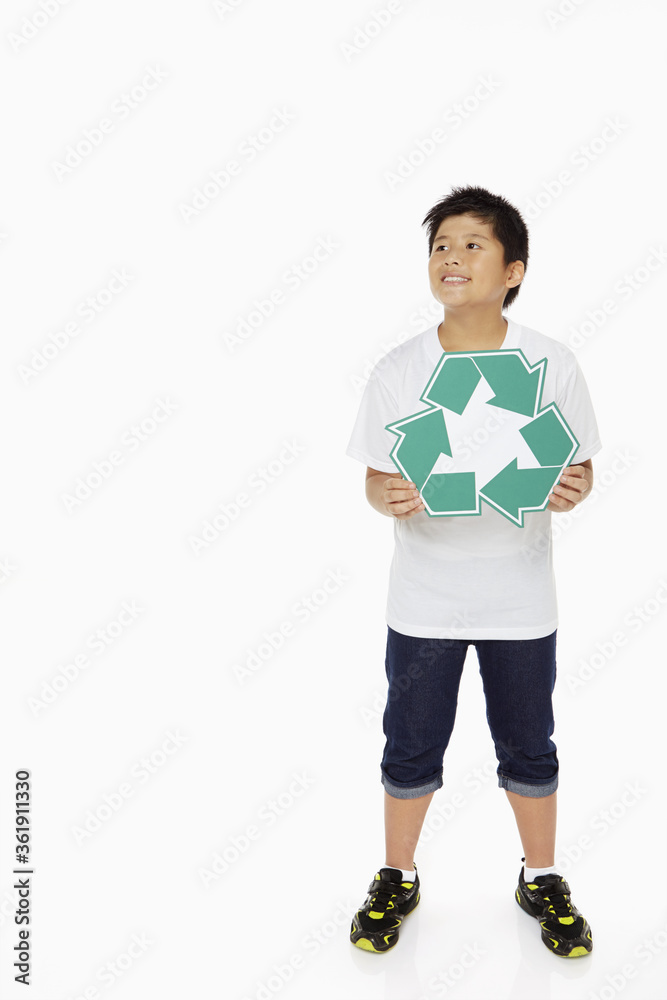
<point x="391" y="494"/>
<point x="577" y="483"/>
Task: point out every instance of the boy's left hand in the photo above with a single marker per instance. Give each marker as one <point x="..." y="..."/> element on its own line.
<point x="573" y="486"/>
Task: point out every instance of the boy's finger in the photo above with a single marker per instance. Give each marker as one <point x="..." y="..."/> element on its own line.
<point x="574" y="482"/>
<point x="405" y="494"/>
<point x="410" y="508"/>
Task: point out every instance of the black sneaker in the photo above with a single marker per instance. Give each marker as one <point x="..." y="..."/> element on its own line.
<point x="375" y="926"/>
<point x="564" y="930"/>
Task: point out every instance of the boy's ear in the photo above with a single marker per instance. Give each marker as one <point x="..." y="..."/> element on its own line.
<point x="517" y="272"/>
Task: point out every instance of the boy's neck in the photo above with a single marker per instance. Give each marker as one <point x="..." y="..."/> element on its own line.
<point x="462" y="334"/>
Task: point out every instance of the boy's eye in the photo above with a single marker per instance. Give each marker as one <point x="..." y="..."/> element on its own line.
<point x="441" y="245"/>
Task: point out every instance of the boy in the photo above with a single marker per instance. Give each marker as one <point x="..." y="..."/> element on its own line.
<point x="481" y="580"/>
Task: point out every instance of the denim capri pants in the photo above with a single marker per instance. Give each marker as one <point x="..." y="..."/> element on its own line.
<point x="518" y="676"/>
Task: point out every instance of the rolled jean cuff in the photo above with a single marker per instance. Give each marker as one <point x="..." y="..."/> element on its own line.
<point x="532" y="791"/>
<point x="402" y="792"/>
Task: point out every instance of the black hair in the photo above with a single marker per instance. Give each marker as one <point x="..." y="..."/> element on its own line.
<point x="506" y="222"/>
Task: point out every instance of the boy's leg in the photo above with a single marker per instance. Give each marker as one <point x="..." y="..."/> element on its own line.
<point x="519" y="678"/>
<point x="536" y="820"/>
<point x="424" y="677"/>
<point x="403" y="821"/>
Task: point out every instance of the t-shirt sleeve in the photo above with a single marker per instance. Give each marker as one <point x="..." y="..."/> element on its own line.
<point x="574" y="402"/>
<point x="370" y="442"/>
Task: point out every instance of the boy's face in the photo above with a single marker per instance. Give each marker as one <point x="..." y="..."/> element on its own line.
<point x="466" y="247"/>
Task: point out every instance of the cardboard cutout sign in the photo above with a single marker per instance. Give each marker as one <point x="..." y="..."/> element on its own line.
<point x="484" y="436"/>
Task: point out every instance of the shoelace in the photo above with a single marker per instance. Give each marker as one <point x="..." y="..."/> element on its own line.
<point x="382" y="894"/>
<point x="559" y="903"/>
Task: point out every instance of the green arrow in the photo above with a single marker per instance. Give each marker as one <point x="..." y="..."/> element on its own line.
<point x="550" y="442"/>
<point x="424" y="438"/>
<point x="514" y="489"/>
<point x="450" y="492"/>
<point x="515" y="387"/>
<point x="454" y="384"/>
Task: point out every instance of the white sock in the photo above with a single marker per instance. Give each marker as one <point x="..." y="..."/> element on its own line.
<point x="530" y="874"/>
<point x="408" y="876"/>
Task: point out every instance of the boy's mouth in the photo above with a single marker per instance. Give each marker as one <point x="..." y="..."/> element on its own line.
<point x="454" y="279"/>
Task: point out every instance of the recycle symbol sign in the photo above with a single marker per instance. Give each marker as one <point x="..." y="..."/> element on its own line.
<point x="484" y="436"/>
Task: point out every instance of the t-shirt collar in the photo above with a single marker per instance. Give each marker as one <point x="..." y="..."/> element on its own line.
<point x="510" y="342"/>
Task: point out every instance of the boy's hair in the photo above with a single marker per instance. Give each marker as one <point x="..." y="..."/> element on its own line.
<point x="506" y="222"/>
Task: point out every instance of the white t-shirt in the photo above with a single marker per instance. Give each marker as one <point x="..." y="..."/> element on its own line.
<point x="479" y="577"/>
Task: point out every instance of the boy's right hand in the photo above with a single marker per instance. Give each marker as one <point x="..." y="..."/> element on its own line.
<point x="400" y="498"/>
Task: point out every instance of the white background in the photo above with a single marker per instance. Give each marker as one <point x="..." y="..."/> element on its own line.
<point x="275" y="922"/>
